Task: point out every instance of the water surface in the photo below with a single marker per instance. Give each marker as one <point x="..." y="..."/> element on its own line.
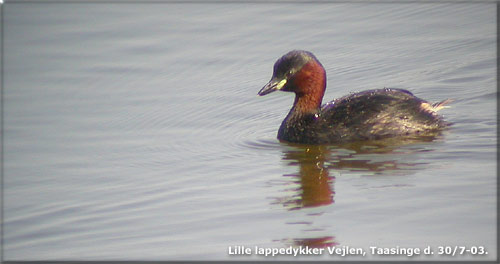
<point x="134" y="132"/>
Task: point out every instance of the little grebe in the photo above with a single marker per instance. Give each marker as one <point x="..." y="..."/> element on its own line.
<point x="367" y="115"/>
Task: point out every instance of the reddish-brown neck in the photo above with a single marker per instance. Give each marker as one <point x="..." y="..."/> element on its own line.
<point x="310" y="85"/>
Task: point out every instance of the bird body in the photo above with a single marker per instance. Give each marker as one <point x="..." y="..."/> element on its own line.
<point x="367" y="115"/>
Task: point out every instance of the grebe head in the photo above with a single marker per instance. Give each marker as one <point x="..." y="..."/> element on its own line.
<point x="297" y="71"/>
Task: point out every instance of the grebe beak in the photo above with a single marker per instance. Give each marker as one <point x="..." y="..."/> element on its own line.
<point x="272" y="85"/>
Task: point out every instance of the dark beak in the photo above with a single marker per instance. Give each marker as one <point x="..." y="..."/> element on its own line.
<point x="272" y="85"/>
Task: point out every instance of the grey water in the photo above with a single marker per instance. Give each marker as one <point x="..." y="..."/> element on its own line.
<point x="134" y="131"/>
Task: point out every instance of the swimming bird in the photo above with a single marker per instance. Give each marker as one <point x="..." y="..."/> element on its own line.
<point x="368" y="115"/>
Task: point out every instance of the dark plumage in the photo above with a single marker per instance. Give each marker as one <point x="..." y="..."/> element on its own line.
<point x="368" y="115"/>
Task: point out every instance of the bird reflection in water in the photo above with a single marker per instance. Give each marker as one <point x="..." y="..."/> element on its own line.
<point x="313" y="184"/>
<point x="316" y="242"/>
<point x="312" y="181"/>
